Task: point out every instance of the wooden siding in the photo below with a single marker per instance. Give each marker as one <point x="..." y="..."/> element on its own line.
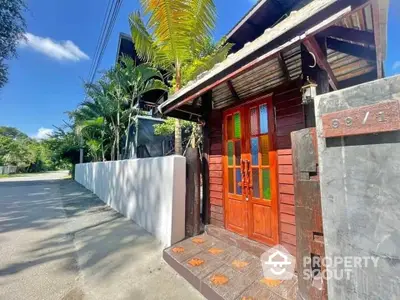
<point x="289" y="115"/>
<point x="287" y="221"/>
<point x="216" y="170"/>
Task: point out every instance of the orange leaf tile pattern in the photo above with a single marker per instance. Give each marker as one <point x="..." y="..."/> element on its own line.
<point x="198" y="240"/>
<point x="215" y="251"/>
<point x="247" y="298"/>
<point x="271" y="282"/>
<point x="219" y="279"/>
<point x="195" y="262"/>
<point x="239" y="264"/>
<point x="178" y="249"/>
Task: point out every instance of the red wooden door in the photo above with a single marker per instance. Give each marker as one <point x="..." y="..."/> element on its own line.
<point x="250" y="184"/>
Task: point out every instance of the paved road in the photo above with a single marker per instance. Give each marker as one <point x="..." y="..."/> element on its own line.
<point x="59" y="241"/>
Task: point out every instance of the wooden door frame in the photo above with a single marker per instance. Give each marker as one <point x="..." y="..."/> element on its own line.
<point x="268" y="98"/>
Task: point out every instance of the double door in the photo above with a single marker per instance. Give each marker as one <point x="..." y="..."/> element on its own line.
<point x="250" y="179"/>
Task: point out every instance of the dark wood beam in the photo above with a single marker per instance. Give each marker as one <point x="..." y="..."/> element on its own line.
<point x="233" y="90"/>
<point x="358" y="80"/>
<point x="349" y="34"/>
<point x="320" y="58"/>
<point x="283" y="66"/>
<point x="206" y="101"/>
<point x="182" y="115"/>
<point x="190" y="109"/>
<point x="378" y="38"/>
<point x="352" y="49"/>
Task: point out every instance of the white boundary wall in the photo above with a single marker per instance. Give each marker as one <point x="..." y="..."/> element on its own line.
<point x="150" y="191"/>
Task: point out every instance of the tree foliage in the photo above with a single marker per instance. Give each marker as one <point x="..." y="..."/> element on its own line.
<point x="29" y="155"/>
<point x="109" y="112"/>
<point x="177" y="38"/>
<point x="12" y="28"/>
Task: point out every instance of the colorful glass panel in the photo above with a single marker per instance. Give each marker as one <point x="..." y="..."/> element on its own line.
<point x="229" y="127"/>
<point x="238" y="179"/>
<point x="254" y="151"/>
<point x="263" y="119"/>
<point x="256" y="183"/>
<point x="230" y="181"/>
<point x="238" y="152"/>
<point x="230" y="153"/>
<point x="254" y="130"/>
<point x="264" y="149"/>
<point x="236" y="120"/>
<point x="266" y="184"/>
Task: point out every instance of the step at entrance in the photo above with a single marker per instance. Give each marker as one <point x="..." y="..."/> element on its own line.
<point x="224" y="271"/>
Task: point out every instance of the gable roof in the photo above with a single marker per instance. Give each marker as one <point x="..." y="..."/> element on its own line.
<point x="298" y="26"/>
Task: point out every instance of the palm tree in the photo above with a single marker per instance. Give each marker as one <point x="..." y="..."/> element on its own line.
<point x="176" y="38"/>
<point x="109" y="111"/>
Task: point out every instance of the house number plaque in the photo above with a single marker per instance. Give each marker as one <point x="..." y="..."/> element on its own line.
<point x="380" y="117"/>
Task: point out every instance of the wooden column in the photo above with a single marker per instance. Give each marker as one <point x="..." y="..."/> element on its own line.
<point x="207" y="108"/>
<point x="311" y="69"/>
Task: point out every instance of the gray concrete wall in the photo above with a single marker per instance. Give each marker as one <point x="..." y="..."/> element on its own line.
<point x="150" y="191"/>
<point x="360" y="186"/>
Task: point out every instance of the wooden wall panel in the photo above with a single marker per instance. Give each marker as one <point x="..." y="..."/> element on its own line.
<point x="216" y="170"/>
<point x="287" y="219"/>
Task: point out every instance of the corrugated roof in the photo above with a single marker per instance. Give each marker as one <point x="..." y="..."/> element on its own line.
<point x="295" y="18"/>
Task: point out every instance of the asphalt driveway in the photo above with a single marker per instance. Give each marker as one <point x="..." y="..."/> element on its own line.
<point x="59" y="241"/>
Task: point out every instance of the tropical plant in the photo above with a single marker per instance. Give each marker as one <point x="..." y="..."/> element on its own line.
<point x="176" y="38"/>
<point x="109" y="111"/>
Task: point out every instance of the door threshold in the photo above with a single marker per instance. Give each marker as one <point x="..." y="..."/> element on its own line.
<point x="244" y="243"/>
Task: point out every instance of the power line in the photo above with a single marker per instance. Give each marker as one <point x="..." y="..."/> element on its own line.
<point x="107" y="28"/>
<point x="101" y="36"/>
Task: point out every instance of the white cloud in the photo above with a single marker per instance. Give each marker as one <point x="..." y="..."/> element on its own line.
<point x="59" y="50"/>
<point x="43" y="133"/>
<point x="396" y="65"/>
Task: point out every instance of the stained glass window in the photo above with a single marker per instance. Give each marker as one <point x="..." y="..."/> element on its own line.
<point x="263" y="119"/>
<point x="254" y="151"/>
<point x="237" y="153"/>
<point x="230" y="153"/>
<point x="266" y="184"/>
<point x="256" y="183"/>
<point x="229" y="125"/>
<point x="264" y="149"/>
<point x="230" y="181"/>
<point x="236" y="118"/>
<point x="254" y="121"/>
<point x="238" y="179"/>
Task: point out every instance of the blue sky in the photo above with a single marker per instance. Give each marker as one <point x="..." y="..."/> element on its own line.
<point x="43" y="86"/>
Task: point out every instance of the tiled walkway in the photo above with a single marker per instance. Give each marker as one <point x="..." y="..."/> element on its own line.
<point x="222" y="271"/>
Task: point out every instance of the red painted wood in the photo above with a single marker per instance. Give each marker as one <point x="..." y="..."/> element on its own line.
<point x="215" y="167"/>
<point x="286" y="199"/>
<point x="288" y="228"/>
<point x="216" y="201"/>
<point x="287" y="209"/>
<point x="216" y="187"/>
<point x="290" y="219"/>
<point x="217" y="209"/>
<point x="216" y="174"/>
<point x="285" y="169"/>
<point x="217" y="216"/>
<point x="287" y="179"/>
<point x="286" y="189"/>
<point x="284" y="152"/>
<point x="216" y="180"/>
<point x="285" y="160"/>
<point x="288" y="238"/>
<point x="290" y="248"/>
